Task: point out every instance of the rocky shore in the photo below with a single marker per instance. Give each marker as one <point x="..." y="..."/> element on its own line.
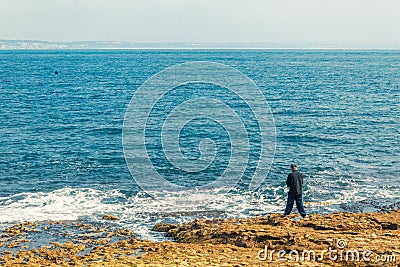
<point x="338" y="239"/>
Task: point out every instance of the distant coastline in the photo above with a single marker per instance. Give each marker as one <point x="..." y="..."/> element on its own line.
<point x="48" y="45"/>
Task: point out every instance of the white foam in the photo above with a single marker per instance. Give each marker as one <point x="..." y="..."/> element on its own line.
<point x="141" y="212"/>
<point x="62" y="204"/>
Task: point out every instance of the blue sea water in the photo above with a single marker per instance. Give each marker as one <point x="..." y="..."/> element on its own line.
<point x="336" y="115"/>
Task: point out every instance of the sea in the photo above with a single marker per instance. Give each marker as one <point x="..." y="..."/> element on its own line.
<point x="335" y="113"/>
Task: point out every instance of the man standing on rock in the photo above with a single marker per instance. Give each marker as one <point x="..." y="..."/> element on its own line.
<point x="295" y="182"/>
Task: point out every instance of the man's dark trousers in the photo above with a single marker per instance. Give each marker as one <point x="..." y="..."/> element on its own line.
<point x="299" y="204"/>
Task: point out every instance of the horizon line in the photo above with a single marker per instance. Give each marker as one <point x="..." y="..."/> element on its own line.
<point x="16" y="44"/>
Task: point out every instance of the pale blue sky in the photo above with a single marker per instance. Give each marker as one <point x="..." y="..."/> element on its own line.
<point x="363" y="22"/>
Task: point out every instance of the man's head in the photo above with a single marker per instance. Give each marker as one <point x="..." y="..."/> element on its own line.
<point x="293" y="167"/>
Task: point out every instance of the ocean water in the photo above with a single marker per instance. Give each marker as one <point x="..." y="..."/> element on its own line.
<point x="336" y="115"/>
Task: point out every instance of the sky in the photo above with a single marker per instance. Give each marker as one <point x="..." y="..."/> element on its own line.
<point x="356" y="22"/>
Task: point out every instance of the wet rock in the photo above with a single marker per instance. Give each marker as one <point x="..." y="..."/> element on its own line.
<point x="16" y="243"/>
<point x="219" y="242"/>
<point x="110" y="217"/>
<point x="124" y="232"/>
<point x="163" y="227"/>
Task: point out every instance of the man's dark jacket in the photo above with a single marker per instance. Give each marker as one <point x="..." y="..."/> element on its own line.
<point x="295" y="182"/>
